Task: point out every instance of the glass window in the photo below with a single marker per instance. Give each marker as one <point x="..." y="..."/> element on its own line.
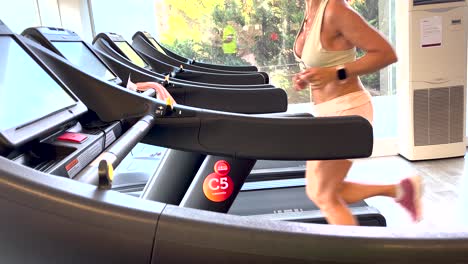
<point x="242" y="32"/>
<point x="20" y="14"/>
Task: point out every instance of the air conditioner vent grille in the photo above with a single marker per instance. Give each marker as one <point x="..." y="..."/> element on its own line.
<point x="438" y="115"/>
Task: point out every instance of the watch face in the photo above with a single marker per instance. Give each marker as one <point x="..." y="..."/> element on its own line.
<point x="342" y="74"/>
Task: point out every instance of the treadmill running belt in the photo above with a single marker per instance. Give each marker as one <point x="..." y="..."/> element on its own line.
<point x="267" y="170"/>
<point x="275" y="164"/>
<point x="293" y="204"/>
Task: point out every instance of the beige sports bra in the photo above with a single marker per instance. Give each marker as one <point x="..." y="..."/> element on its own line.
<point x="313" y="54"/>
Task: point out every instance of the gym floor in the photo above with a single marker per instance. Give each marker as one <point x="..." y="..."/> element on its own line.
<point x="445" y="194"/>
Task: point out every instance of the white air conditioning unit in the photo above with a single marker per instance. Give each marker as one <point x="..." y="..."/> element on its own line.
<point x="431" y="78"/>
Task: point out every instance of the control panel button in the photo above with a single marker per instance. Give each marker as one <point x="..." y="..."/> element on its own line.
<point x="72" y="137"/>
<point x="222" y="167"/>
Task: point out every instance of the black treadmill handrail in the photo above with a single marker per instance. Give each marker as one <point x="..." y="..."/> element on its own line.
<point x="98" y="222"/>
<point x="50" y="219"/>
<point x="264" y="137"/>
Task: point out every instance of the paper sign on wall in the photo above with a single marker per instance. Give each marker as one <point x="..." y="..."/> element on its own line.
<point x="431" y="32"/>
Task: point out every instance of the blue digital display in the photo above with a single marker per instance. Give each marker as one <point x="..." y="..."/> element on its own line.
<point x="27" y="92"/>
<point x="80" y="55"/>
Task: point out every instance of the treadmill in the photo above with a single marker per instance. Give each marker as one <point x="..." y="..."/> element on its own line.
<point x="219" y="183"/>
<point x="145" y="37"/>
<point x="119" y="44"/>
<point x="130" y="59"/>
<point x="245" y="100"/>
<point x="55" y="219"/>
<point x="145" y="160"/>
<point x="137" y="168"/>
<point x="147" y="49"/>
<point x="281" y="181"/>
<point x="70" y="45"/>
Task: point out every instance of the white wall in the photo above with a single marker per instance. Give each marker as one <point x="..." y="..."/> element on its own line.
<point x="19" y="14"/>
<point x="124" y="17"/>
<point x="49" y="13"/>
<point x="75" y="16"/>
<point x="70" y="14"/>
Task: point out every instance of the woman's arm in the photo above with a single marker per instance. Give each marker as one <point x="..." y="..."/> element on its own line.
<point x="379" y="52"/>
<point x="346" y="22"/>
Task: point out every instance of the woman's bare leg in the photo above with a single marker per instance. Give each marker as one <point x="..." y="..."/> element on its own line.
<point x="354" y="192"/>
<point x="324" y="182"/>
<point x="327" y="188"/>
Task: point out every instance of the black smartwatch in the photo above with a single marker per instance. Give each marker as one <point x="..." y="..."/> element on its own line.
<point x="341" y="72"/>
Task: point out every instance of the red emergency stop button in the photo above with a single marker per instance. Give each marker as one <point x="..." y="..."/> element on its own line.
<point x="72" y="137"/>
<point x="222" y="167"/>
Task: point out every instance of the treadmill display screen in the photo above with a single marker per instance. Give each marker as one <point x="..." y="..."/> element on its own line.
<point x="131" y="54"/>
<point x="431" y="2"/>
<point x="156" y="45"/>
<point x="27" y="92"/>
<point x="80" y="55"/>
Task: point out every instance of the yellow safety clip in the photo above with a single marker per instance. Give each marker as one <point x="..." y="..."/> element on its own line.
<point x="169" y="103"/>
<point x="106" y="174"/>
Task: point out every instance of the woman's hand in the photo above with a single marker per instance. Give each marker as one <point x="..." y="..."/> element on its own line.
<point x="161" y="92"/>
<point x="299" y="83"/>
<point x="315" y="77"/>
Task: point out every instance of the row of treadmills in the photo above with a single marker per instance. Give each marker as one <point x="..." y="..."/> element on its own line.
<point x="273" y="189"/>
<point x="228" y="147"/>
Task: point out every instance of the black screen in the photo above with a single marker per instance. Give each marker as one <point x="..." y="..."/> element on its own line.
<point x="27" y="92"/>
<point x="80" y="55"/>
<point x="430" y="2"/>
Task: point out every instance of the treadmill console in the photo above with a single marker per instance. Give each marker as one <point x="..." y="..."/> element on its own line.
<point x="30" y="107"/>
<point x="147" y="36"/>
<point x="70" y="46"/>
<point x="43" y="125"/>
<point x="119" y="44"/>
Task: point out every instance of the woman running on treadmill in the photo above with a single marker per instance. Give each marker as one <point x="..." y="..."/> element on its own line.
<point x="326" y="47"/>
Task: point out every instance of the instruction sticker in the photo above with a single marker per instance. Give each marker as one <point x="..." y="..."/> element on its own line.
<point x="431" y="32"/>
